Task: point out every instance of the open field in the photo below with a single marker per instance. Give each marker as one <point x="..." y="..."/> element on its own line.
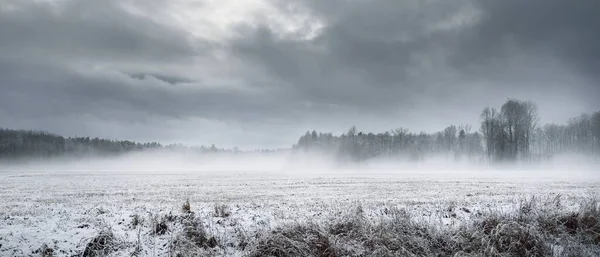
<point x="62" y="212"/>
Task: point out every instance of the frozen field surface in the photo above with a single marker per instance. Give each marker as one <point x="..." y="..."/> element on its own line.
<point x="65" y="210"/>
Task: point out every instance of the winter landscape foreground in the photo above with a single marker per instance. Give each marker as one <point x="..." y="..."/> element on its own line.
<point x="265" y="207"/>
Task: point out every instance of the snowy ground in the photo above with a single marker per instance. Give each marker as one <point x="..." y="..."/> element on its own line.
<point x="66" y="209"/>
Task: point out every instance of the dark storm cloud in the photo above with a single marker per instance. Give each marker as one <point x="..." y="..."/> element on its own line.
<point x="365" y="56"/>
<point x="376" y="64"/>
<point x="389" y="56"/>
<point x="40" y="46"/>
<point x="569" y="30"/>
<point x="549" y="47"/>
<point x="117" y="96"/>
<point x="83" y="30"/>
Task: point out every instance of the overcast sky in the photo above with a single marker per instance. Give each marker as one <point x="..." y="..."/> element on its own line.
<point x="258" y="73"/>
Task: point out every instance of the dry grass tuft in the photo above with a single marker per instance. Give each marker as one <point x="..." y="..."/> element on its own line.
<point x="306" y="240"/>
<point x="222" y="211"/>
<point x="101" y="245"/>
<point x="44" y="251"/>
<point x="515" y="239"/>
<point x="186" y="208"/>
<point x="136" y="220"/>
<point x="161" y="227"/>
<point x="193" y="240"/>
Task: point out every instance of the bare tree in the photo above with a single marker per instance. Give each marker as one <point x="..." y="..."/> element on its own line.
<point x="596" y="131"/>
<point x="521" y="119"/>
<point x="529" y="122"/>
<point x="490" y="127"/>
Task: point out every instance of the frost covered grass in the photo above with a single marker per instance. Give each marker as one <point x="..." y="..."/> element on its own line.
<point x="529" y="230"/>
<point x="232" y="213"/>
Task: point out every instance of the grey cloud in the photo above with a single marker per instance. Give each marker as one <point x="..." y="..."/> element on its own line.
<point x="564" y="29"/>
<point x="143" y="66"/>
<point x="117" y="96"/>
<point x="83" y="30"/>
<point x="370" y="54"/>
<point x="376" y="64"/>
<point x="384" y="56"/>
<point x="539" y="43"/>
<point x="165" y="78"/>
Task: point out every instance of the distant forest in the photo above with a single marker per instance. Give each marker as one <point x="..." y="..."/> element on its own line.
<point x="40" y="144"/>
<point x="26" y="143"/>
<point x="512" y="133"/>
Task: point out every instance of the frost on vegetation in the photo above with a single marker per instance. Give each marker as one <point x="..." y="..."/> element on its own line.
<point x="221" y="210"/>
<point x="136" y="220"/>
<point x="534" y="229"/>
<point x="193" y="239"/>
<point x="531" y="227"/>
<point x="102" y="244"/>
<point x="44" y="251"/>
<point x="186" y="207"/>
<point x="187" y="235"/>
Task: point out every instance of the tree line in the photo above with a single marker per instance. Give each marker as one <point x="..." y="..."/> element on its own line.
<point x="28" y="143"/>
<point x="15" y="144"/>
<point x="512" y="133"/>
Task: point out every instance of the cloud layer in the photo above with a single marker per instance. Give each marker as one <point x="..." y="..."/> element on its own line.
<point x="259" y="73"/>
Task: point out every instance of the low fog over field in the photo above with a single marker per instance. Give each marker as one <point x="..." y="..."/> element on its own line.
<point x="287" y="163"/>
<point x="299" y="128"/>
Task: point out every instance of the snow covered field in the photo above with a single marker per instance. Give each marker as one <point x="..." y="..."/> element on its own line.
<point x="66" y="209"/>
